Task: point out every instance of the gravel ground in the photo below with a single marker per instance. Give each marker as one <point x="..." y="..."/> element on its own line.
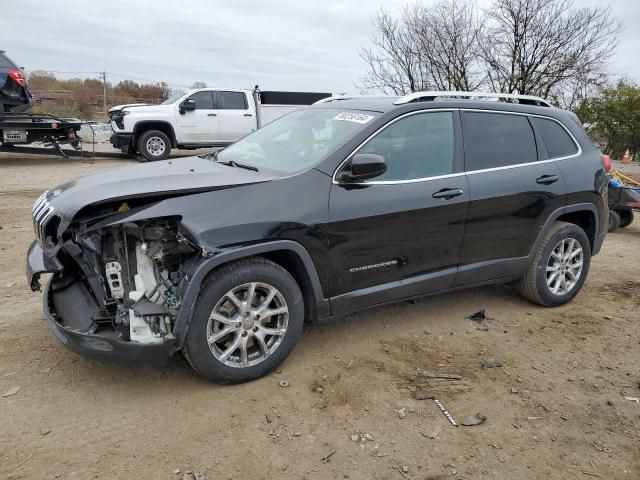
<point x="556" y="409"/>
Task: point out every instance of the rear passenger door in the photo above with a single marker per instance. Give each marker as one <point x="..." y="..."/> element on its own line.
<point x="513" y="187"/>
<point x="235" y="117"/>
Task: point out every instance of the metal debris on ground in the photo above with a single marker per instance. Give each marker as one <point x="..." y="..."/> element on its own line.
<point x="633" y="399"/>
<point x="479" y="320"/>
<point x="479" y="316"/>
<point x="491" y="364"/>
<point x="284" y="383"/>
<point x="473" y="420"/>
<point x="328" y="456"/>
<point x="12" y="391"/>
<point x="445" y="412"/>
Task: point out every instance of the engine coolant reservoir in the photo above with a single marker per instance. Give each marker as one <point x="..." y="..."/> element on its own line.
<point x="139" y="330"/>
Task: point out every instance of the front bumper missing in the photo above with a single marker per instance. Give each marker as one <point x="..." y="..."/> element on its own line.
<point x="103" y="345"/>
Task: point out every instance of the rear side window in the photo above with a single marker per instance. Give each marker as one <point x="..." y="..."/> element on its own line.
<point x="5" y="62"/>
<point x="497" y="140"/>
<point x="232" y="101"/>
<point x="204" y="100"/>
<point x="555" y="138"/>
<point x="417" y="146"/>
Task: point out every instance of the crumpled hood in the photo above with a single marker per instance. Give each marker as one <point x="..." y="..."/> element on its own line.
<point x="148" y="180"/>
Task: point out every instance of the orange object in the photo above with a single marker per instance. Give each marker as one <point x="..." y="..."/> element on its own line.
<point x="627" y="158"/>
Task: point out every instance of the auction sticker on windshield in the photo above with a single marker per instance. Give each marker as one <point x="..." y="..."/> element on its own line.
<point x="354" y="117"/>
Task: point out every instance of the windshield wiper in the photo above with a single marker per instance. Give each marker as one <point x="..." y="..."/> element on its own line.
<point x="233" y="163"/>
<point x="230" y="163"/>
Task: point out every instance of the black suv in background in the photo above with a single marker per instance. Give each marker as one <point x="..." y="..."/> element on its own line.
<point x="14" y="95"/>
<point x="340" y="206"/>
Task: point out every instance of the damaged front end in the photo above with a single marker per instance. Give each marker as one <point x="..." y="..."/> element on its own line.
<point x="116" y="286"/>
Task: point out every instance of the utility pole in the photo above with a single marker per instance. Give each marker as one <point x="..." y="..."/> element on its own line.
<point x="104" y="91"/>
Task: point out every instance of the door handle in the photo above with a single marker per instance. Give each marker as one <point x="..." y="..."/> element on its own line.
<point x="547" y="179"/>
<point x="448" y="193"/>
<point x="211" y="115"/>
<point x="248" y="115"/>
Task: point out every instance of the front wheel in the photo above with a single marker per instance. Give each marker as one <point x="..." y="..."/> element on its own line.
<point x="559" y="266"/>
<point x="247" y="319"/>
<point x="154" y="145"/>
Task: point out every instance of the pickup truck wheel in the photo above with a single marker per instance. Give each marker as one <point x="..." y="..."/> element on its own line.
<point x="154" y="145"/>
<point x="559" y="266"/>
<point x="626" y="218"/>
<point x="247" y="319"/>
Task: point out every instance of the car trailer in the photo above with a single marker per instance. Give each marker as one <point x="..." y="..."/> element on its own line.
<point x="624" y="198"/>
<point x="52" y="131"/>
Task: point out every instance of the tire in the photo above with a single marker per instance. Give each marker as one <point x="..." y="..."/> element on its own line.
<point x="214" y="362"/>
<point x="538" y="283"/>
<point x="626" y="218"/>
<point x="614" y="221"/>
<point x="154" y="145"/>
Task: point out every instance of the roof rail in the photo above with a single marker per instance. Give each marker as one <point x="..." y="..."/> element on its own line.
<point x="336" y="98"/>
<point x="426" y="96"/>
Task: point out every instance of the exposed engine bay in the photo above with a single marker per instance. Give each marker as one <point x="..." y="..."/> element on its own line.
<point x="124" y="280"/>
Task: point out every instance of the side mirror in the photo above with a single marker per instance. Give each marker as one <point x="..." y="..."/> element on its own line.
<point x="188" y="105"/>
<point x="365" y="166"/>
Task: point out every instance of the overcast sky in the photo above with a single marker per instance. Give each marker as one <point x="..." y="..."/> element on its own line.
<point x="282" y="45"/>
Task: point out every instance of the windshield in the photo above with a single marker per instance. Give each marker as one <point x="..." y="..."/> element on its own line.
<point x="173" y="98"/>
<point x="298" y="140"/>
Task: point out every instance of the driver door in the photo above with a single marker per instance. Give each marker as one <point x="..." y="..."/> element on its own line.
<point x="400" y="234"/>
<point x="202" y="124"/>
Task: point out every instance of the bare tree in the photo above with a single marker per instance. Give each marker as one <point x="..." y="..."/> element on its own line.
<point x="537" y="46"/>
<point x="448" y="35"/>
<point x="396" y="63"/>
<point x="199" y="85"/>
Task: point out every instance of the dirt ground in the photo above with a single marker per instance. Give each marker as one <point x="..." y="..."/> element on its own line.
<point x="556" y="409"/>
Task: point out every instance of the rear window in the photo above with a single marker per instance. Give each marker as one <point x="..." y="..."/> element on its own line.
<point x="5" y="62"/>
<point x="497" y="140"/>
<point x="555" y="138"/>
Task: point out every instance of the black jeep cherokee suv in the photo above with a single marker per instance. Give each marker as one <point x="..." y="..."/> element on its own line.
<point x="336" y="207"/>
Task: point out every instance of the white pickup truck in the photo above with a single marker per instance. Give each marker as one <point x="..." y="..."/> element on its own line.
<point x="204" y="117"/>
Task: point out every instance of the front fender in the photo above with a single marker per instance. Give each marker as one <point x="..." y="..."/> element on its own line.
<point x="206" y="266"/>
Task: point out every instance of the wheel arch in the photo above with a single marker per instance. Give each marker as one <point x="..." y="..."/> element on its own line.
<point x="290" y="255"/>
<point x="147" y="125"/>
<point x="584" y="215"/>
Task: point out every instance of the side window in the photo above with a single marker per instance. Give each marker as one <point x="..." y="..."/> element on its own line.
<point x="497" y="140"/>
<point x="204" y="100"/>
<point x="418" y="146"/>
<point x="232" y="101"/>
<point x="555" y="137"/>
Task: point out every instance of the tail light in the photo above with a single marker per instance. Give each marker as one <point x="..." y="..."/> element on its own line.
<point x="606" y="161"/>
<point x="18" y="77"/>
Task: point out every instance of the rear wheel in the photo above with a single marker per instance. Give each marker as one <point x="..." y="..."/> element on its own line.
<point x="626" y="218"/>
<point x="247" y="319"/>
<point x="614" y="221"/>
<point x="154" y="145"/>
<point x="559" y="266"/>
